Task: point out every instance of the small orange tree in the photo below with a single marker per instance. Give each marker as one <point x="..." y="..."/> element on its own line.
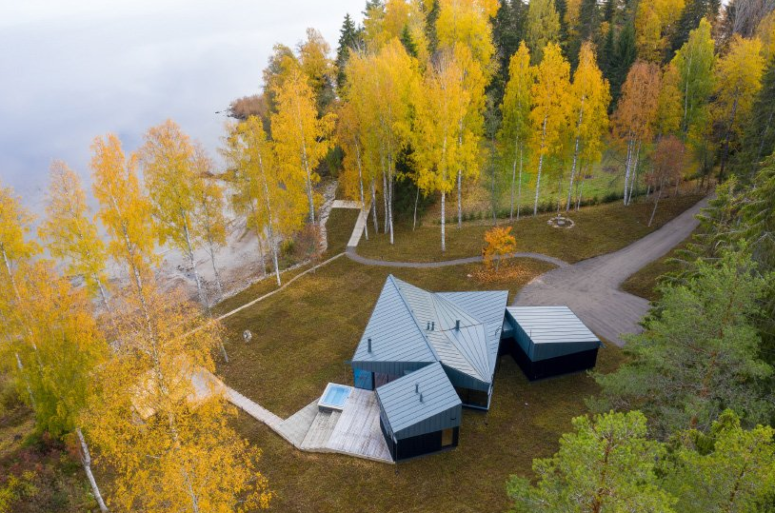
<point x="499" y="241"/>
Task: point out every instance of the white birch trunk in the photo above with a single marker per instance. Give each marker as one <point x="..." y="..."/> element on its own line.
<point x="459" y="199"/>
<point x="443" y="222"/>
<point x="360" y="184"/>
<point x="634" y="175"/>
<point x="514" y="177"/>
<point x="519" y="185"/>
<point x="627" y="170"/>
<point x="540" y="166"/>
<point x="192" y="259"/>
<point x="374" y="207"/>
<point x="86" y="461"/>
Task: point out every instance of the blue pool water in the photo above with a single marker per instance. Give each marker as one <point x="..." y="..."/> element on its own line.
<point x="334" y="396"/>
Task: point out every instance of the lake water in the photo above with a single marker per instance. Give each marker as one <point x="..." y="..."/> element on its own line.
<point x="71" y="70"/>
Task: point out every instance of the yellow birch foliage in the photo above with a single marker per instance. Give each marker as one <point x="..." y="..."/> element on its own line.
<point x="172" y="182"/>
<point x="70" y="233"/>
<point x="210" y="212"/>
<point x="301" y="138"/>
<point x="169" y="441"/>
<point x="266" y="196"/>
<point x="439" y="108"/>
<point x="68" y="347"/>
<point x="387" y="22"/>
<point x="655" y="22"/>
<point x="348" y="138"/>
<point x="591" y="96"/>
<point x="516" y="102"/>
<point x="738" y="80"/>
<point x="550" y="93"/>
<point x="669" y="103"/>
<point x="499" y="242"/>
<point x="766" y="34"/>
<point x="467" y="22"/>
<point x="15" y="223"/>
<point x="125" y="211"/>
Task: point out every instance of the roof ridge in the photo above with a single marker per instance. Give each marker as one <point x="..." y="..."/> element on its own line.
<point x="472" y="360"/>
<point x="393" y="280"/>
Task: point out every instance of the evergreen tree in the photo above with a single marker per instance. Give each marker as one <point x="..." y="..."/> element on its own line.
<point x="589" y="20"/>
<point x="406" y="40"/>
<point x="508" y="29"/>
<point x="699" y="353"/>
<point x="623" y="58"/>
<point x="543" y="27"/>
<point x="430" y="27"/>
<point x="693" y="13"/>
<point x="348" y="39"/>
<point x="759" y="134"/>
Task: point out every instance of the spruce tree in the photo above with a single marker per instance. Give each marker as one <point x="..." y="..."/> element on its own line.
<point x="623" y="59"/>
<point x="694" y="11"/>
<point x="759" y="137"/>
<point x="508" y="29"/>
<point x="430" y="27"/>
<point x="348" y="39"/>
<point x="406" y="40"/>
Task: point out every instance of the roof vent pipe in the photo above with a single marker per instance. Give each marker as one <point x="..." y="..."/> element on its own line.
<point x="420" y="397"/>
<point x="369" y="344"/>
<point x="416" y="388"/>
<point x="433" y="325"/>
<point x="428" y="326"/>
<point x="457" y="325"/>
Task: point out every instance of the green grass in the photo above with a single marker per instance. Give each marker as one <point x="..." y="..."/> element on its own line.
<point x="302" y="338"/>
<point x="598" y="230"/>
<point x="644" y="282"/>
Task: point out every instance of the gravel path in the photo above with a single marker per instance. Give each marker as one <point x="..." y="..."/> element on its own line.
<point x="591" y="287"/>
<point x="355" y="257"/>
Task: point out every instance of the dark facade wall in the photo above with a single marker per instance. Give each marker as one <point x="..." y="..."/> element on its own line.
<point x="575" y="362"/>
<point x="415" y="446"/>
<point x="473" y="398"/>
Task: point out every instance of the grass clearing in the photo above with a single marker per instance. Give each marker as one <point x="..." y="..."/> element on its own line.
<point x="598" y="230"/>
<point x="302" y="338"/>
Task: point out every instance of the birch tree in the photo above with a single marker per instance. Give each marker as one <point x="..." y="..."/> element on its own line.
<point x="738" y="81"/>
<point x="209" y="214"/>
<point x="260" y="179"/>
<point x="515" y="130"/>
<point x="125" y="211"/>
<point x="15" y="223"/>
<point x="543" y="27"/>
<point x="635" y="117"/>
<point x="70" y="233"/>
<point x="549" y="115"/>
<point x="162" y="423"/>
<point x="167" y="158"/>
<point x="440" y="104"/>
<point x="695" y="61"/>
<point x="667" y="167"/>
<point x="301" y="138"/>
<point x="590" y="97"/>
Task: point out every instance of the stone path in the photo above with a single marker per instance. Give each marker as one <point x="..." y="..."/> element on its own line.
<point x="591" y="287"/>
<point x="355" y="257"/>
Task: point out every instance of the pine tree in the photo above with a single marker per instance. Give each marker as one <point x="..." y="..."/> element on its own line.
<point x="606" y="464"/>
<point x="348" y="39"/>
<point x="682" y="372"/>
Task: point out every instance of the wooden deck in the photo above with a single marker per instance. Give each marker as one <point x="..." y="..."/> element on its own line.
<point x="354" y="431"/>
<point x="358" y="433"/>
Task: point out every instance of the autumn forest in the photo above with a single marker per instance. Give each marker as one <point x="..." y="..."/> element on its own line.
<point x="430" y="114"/>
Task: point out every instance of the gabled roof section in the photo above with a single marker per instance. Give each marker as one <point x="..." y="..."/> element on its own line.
<point x="394" y="331"/>
<point x="400" y="399"/>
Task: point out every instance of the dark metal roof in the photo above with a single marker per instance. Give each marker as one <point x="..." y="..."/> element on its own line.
<point x="408" y="415"/>
<point x="551" y="324"/>
<point x="459" y="329"/>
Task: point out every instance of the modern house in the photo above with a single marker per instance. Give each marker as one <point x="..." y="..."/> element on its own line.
<point x="549" y="340"/>
<point x="427" y="355"/>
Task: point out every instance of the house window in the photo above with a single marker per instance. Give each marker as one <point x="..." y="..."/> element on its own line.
<point x="447" y="437"/>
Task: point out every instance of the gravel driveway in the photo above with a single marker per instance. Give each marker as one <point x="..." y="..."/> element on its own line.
<point x="591" y="287"/>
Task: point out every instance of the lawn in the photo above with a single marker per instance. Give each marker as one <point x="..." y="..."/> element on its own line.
<point x="598" y="230"/>
<point x="302" y="338"/>
<point x="644" y="282"/>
